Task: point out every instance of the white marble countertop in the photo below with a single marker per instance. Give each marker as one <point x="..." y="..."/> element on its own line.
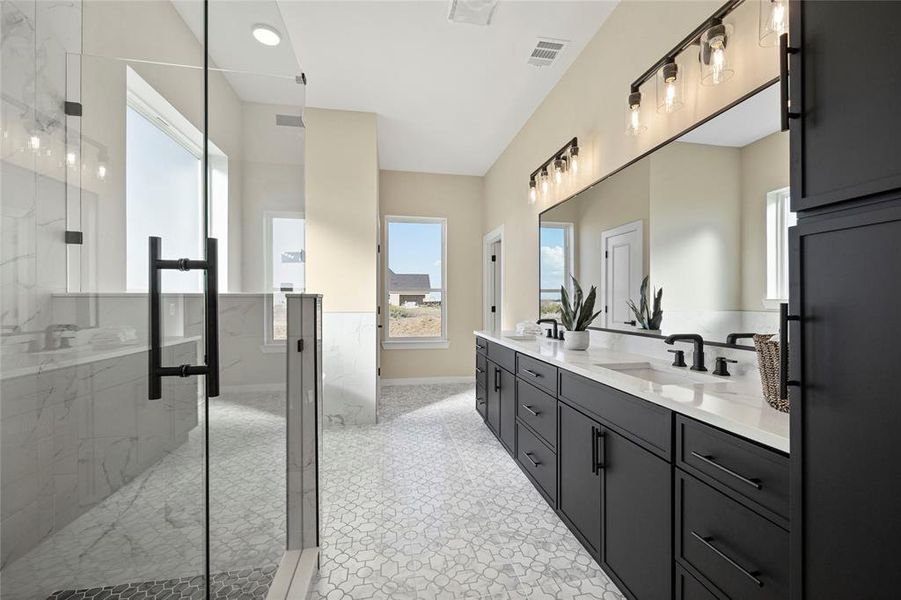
<point x="42" y="362"/>
<point x="733" y="405"/>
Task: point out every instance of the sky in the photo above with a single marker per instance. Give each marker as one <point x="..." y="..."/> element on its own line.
<point x="415" y="248"/>
<point x="551" y="256"/>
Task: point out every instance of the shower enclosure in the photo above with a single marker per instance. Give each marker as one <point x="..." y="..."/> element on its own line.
<point x="142" y="448"/>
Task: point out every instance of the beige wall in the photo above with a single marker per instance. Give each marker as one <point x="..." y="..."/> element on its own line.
<point x="342" y="188"/>
<point x="589" y="102"/>
<point x="695" y="234"/>
<point x="765" y="167"/>
<point x="459" y="200"/>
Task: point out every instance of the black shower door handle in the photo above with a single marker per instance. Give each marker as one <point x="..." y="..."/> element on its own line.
<point x="156" y="370"/>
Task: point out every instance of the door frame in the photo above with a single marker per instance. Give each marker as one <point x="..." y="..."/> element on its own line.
<point x="495" y="235"/>
<point x="638" y="227"/>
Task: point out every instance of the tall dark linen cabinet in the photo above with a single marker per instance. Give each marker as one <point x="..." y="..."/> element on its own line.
<point x="845" y="271"/>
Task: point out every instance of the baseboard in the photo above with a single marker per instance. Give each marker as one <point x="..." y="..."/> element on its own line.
<point x="428" y="380"/>
<point x="254" y="387"/>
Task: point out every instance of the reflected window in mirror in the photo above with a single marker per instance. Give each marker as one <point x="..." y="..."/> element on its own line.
<point x="555" y="265"/>
<point x="778" y="220"/>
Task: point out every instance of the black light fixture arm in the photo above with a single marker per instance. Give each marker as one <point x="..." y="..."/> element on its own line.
<point x="573" y="143"/>
<point x="689" y="40"/>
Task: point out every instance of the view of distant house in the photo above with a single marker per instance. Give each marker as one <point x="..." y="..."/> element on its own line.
<point x="407" y="289"/>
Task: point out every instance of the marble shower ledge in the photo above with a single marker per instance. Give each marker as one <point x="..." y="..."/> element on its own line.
<point x="734" y="406"/>
<point x="61" y="359"/>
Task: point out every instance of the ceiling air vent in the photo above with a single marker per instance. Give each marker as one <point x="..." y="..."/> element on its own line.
<point x="289" y="120"/>
<point x="546" y="51"/>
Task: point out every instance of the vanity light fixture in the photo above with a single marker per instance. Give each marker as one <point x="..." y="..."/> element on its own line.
<point x="634" y="126"/>
<point x="565" y="160"/>
<point x="773" y="21"/>
<point x="669" y="87"/>
<point x="266" y="34"/>
<point x="715" y="68"/>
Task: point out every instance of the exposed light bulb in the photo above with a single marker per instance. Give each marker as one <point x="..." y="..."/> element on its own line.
<point x="70" y="158"/>
<point x="718" y="64"/>
<point x="559" y="169"/>
<point x="34" y="142"/>
<point x="670" y="98"/>
<point x="101" y="171"/>
<point x="533" y="191"/>
<point x="545" y="185"/>
<point x="777" y="17"/>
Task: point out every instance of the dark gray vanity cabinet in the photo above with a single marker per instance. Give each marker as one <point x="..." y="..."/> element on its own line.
<point x="845" y="144"/>
<point x="507" y="400"/>
<point x="500" y="393"/>
<point x="579" y="494"/>
<point x="493" y="398"/>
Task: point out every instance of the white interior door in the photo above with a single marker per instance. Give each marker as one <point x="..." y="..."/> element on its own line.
<point x="495" y="286"/>
<point x="623" y="270"/>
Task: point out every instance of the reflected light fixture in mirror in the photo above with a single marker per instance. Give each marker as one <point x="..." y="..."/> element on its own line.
<point x="266" y="35"/>
<point x="715" y="67"/>
<point x="773" y="21"/>
<point x="634" y="126"/>
<point x="34" y="142"/>
<point x="669" y="87"/>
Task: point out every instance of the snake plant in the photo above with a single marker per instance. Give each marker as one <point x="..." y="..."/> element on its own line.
<point x="577" y="313"/>
<point x="647" y="316"/>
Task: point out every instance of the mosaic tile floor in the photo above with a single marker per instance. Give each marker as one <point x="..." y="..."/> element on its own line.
<point x="428" y="505"/>
<point x="152" y="528"/>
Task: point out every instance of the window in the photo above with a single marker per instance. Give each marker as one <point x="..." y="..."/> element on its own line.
<point x="415" y="281"/>
<point x="555" y="265"/>
<point x="778" y="219"/>
<point x="163" y="163"/>
<point x="285" y="269"/>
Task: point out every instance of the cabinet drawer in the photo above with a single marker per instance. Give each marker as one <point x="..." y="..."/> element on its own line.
<point x="538" y="460"/>
<point x="481" y="401"/>
<point x="537" y="373"/>
<point x="689" y="588"/>
<point x="746" y="469"/>
<point x="538" y="410"/>
<point x="736" y="550"/>
<point x="649" y="424"/>
<point x="481" y="370"/>
<point x="481" y="345"/>
<point x="502" y="356"/>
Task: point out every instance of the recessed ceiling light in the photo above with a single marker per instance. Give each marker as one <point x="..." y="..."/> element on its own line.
<point x="266" y="35"/>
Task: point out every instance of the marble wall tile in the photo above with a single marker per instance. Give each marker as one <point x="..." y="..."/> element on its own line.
<point x="349" y="368"/>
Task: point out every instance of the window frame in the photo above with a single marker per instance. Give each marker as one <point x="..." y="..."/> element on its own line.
<point x="568" y="255"/>
<point x="269" y="341"/>
<point x="778" y="207"/>
<point x="406" y="342"/>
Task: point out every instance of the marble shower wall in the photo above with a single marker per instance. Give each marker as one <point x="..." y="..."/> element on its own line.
<point x="349" y="368"/>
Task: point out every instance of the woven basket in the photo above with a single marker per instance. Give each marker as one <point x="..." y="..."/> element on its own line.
<point x="768" y="362"/>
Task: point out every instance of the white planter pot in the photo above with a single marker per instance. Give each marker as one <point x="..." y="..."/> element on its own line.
<point x="576" y="340"/>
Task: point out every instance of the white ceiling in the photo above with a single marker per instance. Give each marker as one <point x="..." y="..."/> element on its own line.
<point x="449" y="97"/>
<point x="753" y="119"/>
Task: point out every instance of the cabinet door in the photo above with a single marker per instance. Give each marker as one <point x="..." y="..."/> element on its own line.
<point x="636" y="502"/>
<point x="508" y="410"/>
<point x="579" y="495"/>
<point x="845" y="143"/>
<point x="845" y="458"/>
<point x="493" y="409"/>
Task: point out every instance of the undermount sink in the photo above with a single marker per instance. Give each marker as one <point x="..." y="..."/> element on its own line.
<point x="652" y="373"/>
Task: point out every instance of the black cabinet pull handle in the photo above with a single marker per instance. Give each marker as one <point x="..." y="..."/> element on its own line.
<point x="784" y="318"/>
<point x="784" y="51"/>
<point x="534" y="412"/>
<point x="594" y="451"/>
<point x="156" y="371"/>
<point x="755" y="483"/>
<point x="707" y="542"/>
<point x="534" y="462"/>
<point x="532" y="373"/>
<point x="497" y="379"/>
<point x="600" y="453"/>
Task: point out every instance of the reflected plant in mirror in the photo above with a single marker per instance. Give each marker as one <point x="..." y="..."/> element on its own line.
<point x="646" y="316"/>
<point x="705" y="217"/>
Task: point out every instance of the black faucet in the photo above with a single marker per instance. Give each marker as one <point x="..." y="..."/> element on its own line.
<point x="733" y="338"/>
<point x="698" y="357"/>
<point x="553" y="322"/>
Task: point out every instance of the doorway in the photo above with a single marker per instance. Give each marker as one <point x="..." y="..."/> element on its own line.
<point x="493" y="279"/>
<point x="622" y="266"/>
